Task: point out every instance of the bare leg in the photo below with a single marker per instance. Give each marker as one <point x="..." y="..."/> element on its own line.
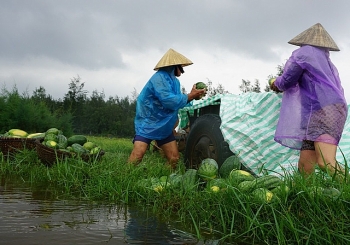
<point x="171" y="152"/>
<point x="307" y="162"/>
<point x="138" y="152"/>
<point x="326" y="157"/>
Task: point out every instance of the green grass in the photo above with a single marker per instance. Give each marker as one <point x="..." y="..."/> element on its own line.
<point x="297" y="217"/>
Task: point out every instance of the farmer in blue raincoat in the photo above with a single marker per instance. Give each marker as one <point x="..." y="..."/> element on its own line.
<point x="157" y="108"/>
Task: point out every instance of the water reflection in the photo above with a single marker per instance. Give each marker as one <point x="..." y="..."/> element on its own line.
<point x="37" y="217"/>
<point x="142" y="228"/>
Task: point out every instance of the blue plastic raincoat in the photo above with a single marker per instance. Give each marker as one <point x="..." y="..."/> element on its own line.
<point x="158" y="104"/>
<point x="313" y="103"/>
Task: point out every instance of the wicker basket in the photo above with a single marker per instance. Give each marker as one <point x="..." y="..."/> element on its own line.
<point x="10" y="146"/>
<point x="50" y="156"/>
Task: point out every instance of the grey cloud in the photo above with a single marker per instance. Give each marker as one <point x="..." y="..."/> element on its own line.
<point x="94" y="34"/>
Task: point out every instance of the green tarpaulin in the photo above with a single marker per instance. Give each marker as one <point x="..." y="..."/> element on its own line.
<point x="248" y="126"/>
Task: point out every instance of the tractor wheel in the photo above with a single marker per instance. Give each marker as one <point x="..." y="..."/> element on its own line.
<point x="205" y="140"/>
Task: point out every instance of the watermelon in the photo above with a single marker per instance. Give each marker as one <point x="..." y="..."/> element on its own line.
<point x="54" y="131"/>
<point x="331" y="192"/>
<point x="215" y="188"/>
<point x="262" y="195"/>
<point x="201" y="85"/>
<point x="247" y="186"/>
<point x="281" y="190"/>
<point x="93" y="151"/>
<point x="208" y="169"/>
<point x="36" y="135"/>
<point x="151" y="184"/>
<point x="232" y="162"/>
<point x="18" y="132"/>
<point x="163" y="178"/>
<point x="221" y="183"/>
<point x="89" y="145"/>
<point x="163" y="182"/>
<point x="237" y="176"/>
<point x="51" y="137"/>
<point x="147" y="183"/>
<point x="268" y="181"/>
<point x="190" y="180"/>
<point x="79" y="149"/>
<point x="62" y="141"/>
<point x="175" y="180"/>
<point x="51" y="144"/>
<point x="77" y="139"/>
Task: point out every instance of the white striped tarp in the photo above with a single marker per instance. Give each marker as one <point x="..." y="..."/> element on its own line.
<point x="248" y="125"/>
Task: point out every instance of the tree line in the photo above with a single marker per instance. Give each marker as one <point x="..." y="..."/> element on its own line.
<point x="76" y="113"/>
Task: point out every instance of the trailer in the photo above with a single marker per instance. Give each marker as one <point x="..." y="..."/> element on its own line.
<point x="242" y="125"/>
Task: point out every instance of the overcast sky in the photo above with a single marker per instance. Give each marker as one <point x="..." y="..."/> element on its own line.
<point x="113" y="46"/>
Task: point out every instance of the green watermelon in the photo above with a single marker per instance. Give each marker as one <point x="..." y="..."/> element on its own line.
<point x="201" y="85"/>
<point x="281" y="190"/>
<point x="247" y="186"/>
<point x="36" y="136"/>
<point x="88" y="145"/>
<point x="51" y="144"/>
<point x="54" y="131"/>
<point x="190" y="180"/>
<point x="62" y="141"/>
<point x="268" y="181"/>
<point x="221" y="183"/>
<point x="51" y="137"/>
<point x="147" y="183"/>
<point x="331" y="192"/>
<point x="237" y="176"/>
<point x="208" y="169"/>
<point x="215" y="188"/>
<point x="232" y="162"/>
<point x="175" y="180"/>
<point x="263" y="195"/>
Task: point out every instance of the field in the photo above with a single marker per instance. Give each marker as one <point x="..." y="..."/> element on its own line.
<point x="300" y="215"/>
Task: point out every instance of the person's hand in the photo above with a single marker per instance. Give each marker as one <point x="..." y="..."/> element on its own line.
<point x="196" y="94"/>
<point x="273" y="87"/>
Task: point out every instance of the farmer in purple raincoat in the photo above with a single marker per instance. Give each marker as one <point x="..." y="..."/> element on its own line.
<point x="314" y="109"/>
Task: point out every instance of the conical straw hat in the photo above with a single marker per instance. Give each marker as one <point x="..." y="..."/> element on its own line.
<point x="171" y="57"/>
<point x="316" y="35"/>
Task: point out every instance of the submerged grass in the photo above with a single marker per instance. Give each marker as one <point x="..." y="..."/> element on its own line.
<point x="298" y="217"/>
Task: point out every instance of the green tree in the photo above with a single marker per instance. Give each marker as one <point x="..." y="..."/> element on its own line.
<point x="74" y="103"/>
<point x="247" y="87"/>
<point x="211" y="90"/>
<point x="94" y="114"/>
<point x="76" y="113"/>
<point x="27" y="113"/>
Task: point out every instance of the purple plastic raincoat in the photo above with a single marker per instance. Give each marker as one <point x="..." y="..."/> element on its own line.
<point x="158" y="104"/>
<point x="313" y="103"/>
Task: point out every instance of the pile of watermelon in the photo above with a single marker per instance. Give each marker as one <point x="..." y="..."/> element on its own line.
<point x="209" y="177"/>
<point x="77" y="144"/>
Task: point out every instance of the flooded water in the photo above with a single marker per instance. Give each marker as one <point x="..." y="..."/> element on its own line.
<point x="35" y="217"/>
